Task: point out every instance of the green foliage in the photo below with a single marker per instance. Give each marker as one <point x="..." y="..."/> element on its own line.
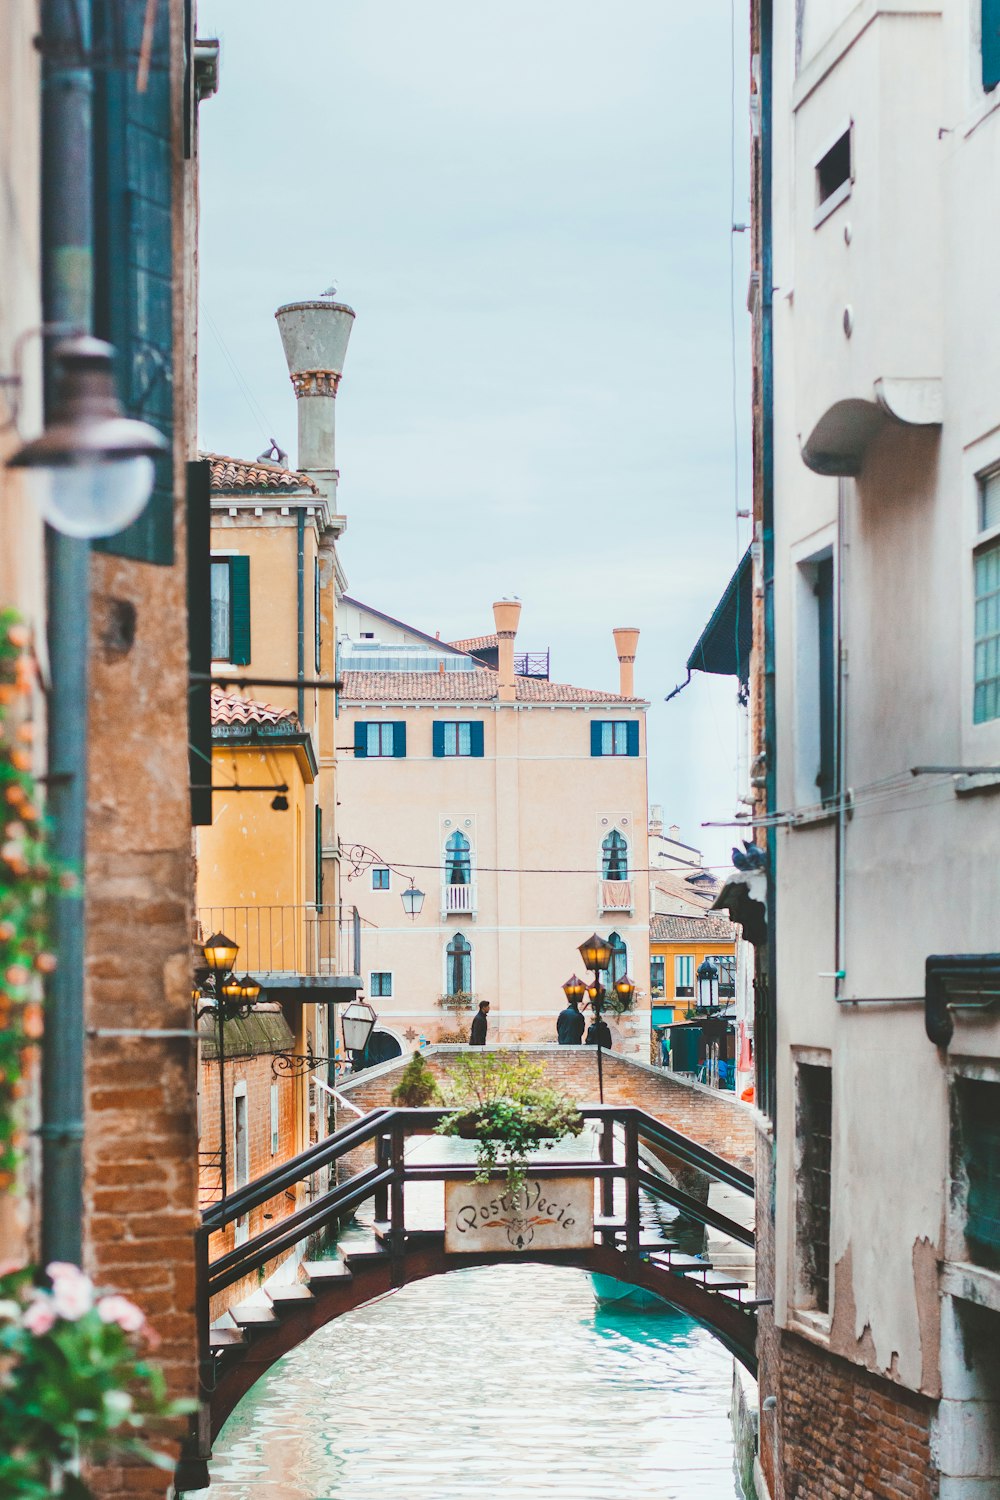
<point x="75" y="1386"/>
<point x="417" y="1087"/>
<point x="503" y="1101"/>
<point x="460" y="1000"/>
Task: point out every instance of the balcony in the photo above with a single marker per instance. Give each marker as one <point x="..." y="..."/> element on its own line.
<point x="615" y="897"/>
<point x="458" y="900"/>
<point x="291" y="947"/>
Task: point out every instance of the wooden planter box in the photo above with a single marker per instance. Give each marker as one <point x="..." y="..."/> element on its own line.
<point x="468" y="1131"/>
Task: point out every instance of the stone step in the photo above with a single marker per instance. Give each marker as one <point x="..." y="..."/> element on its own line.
<point x="290" y="1296"/>
<point x="318" y="1272"/>
<point x="362" y="1252"/>
<point x="248" y="1316"/>
<point x="225" y="1338"/>
<point x="681" y="1264"/>
<point x="719" y="1281"/>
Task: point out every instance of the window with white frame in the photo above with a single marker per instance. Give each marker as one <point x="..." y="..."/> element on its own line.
<point x="684" y="976"/>
<point x="380" y="879"/>
<point x="457" y="860"/>
<point x="816" y="679"/>
<point x="381" y="740"/>
<point x="381" y="984"/>
<point x="221" y="637"/>
<point x="986" y="580"/>
<point x="657" y="977"/>
<point x="457" y="739"/>
<point x="725" y="964"/>
<point x="458" y="966"/>
<point x="614" y="856"/>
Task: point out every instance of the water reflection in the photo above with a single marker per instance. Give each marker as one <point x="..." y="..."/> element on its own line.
<point x="506" y="1376"/>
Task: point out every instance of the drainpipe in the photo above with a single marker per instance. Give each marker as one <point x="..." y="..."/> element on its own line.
<point x="67" y="295"/>
<point x="300" y="532"/>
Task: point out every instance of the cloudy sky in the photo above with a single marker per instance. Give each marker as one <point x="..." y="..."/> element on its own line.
<point x="529" y="206"/>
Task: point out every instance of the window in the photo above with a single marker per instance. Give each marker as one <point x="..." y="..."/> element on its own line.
<point x="725" y="963"/>
<point x="317" y="621"/>
<point x="813" y="1134"/>
<point x="319" y="858"/>
<point x="834" y="175"/>
<point x="275" y="1120"/>
<point x="458" y="738"/>
<point x="816" y="770"/>
<point x="458" y="977"/>
<point x="380" y="879"/>
<point x="618" y="967"/>
<point x="367" y="635"/>
<point x="979" y="1146"/>
<point x="614" y="737"/>
<point x="381" y="985"/>
<point x="614" y="863"/>
<point x="230" y="603"/>
<point x="657" y="976"/>
<point x="382" y="740"/>
<point x="241" y="1155"/>
<point x="986" y="568"/>
<point x="684" y="976"/>
<point x="457" y="860"/>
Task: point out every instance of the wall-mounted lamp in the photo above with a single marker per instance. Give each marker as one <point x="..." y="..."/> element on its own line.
<point x="91" y="472"/>
<point x="413" y="901"/>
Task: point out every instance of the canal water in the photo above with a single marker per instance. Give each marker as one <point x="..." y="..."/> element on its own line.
<point x="503" y="1378"/>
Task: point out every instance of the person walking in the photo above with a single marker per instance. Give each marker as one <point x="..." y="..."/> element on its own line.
<point x="599" y="1034"/>
<point x="570" y="1025"/>
<point x="477" y="1036"/>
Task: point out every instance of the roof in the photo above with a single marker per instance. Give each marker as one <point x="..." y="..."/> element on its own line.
<point x="711" y="928"/>
<point x="684" y="888"/>
<point x="481" y="686"/>
<point x="724" y="645"/>
<point x="402" y="625"/>
<point x="476" y="643"/>
<point x="230" y="708"/>
<point x="235" y="476"/>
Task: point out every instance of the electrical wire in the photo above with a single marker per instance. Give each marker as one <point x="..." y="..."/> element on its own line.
<point x="255" y="410"/>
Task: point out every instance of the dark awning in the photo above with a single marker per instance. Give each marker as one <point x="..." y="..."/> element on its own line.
<point x="724" y="645"/>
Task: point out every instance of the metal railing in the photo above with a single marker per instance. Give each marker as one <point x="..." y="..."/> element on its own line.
<point x="306" y="939"/>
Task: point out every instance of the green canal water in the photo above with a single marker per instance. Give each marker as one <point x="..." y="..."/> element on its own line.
<point x="504" y="1380"/>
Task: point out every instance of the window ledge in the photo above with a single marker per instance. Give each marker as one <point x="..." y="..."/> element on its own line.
<point x="813" y="817"/>
<point x="830" y="205"/>
<point x="977" y="786"/>
<point x="971" y="1283"/>
<point x="814" y="1326"/>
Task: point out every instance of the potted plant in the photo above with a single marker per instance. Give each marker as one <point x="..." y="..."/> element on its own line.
<point x="503" y="1103"/>
<point x="417" y="1087"/>
<point x="460" y="1000"/>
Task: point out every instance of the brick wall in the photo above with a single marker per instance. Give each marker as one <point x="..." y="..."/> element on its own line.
<point x="711" y="1116"/>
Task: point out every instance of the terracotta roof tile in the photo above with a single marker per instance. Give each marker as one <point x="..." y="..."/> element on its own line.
<point x="230" y="708"/>
<point x="476" y="643"/>
<point x="235" y="476"/>
<point x="711" y="928"/>
<point x="480" y="686"/>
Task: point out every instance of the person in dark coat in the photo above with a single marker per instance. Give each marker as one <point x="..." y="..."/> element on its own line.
<point x="570" y="1025"/>
<point x="599" y="1034"/>
<point x="477" y="1036"/>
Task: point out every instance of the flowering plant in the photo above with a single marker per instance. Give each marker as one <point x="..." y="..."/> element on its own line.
<point x="74" y="1384"/>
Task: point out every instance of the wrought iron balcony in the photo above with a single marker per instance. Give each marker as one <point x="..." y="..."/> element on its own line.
<point x="291" y="947"/>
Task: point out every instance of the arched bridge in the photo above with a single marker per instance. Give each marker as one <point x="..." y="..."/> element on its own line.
<point x="631" y="1143"/>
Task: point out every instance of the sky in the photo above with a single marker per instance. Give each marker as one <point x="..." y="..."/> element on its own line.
<point x="529" y="205"/>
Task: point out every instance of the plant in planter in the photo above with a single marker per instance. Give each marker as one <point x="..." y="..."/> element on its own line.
<point x="460" y="1000"/>
<point x="503" y="1104"/>
<point x="417" y="1087"/>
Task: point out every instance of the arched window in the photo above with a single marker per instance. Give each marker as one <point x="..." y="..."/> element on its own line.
<point x="615" y="856"/>
<point x="459" y="975"/>
<point x="457" y="861"/>
<point x="618" y="967"/>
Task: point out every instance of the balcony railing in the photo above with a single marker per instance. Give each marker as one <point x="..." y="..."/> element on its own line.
<point x="306" y="940"/>
<point x="615" y="896"/>
<point x="458" y="900"/>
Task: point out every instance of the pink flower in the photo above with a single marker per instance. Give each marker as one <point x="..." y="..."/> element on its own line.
<point x="120" y="1310"/>
<point x="72" y="1295"/>
<point x="59" y="1270"/>
<point x="39" y="1317"/>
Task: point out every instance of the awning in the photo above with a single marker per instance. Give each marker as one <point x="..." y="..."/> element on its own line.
<point x="724" y="645"/>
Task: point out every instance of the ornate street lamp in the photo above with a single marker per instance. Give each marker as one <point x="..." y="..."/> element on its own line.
<point x="413" y="901"/>
<point x="357" y="1023"/>
<point x="220" y="953"/>
<point x="233" y="997"/>
<point x="625" y="990"/>
<point x="596" y="953"/>
<point x="91" y="472"/>
<point x="708" y="985"/>
<point x="574" y="989"/>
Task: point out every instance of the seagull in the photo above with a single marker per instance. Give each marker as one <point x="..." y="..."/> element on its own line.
<point x="331" y="291"/>
<point x="750" y="857"/>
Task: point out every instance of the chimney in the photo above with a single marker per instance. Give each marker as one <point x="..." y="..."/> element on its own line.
<point x="626" y="640"/>
<point x="506" y="613"/>
<point x="315" y="336"/>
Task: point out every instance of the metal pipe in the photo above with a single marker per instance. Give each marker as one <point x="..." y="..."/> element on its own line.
<point x="840" y="751"/>
<point x="300" y="531"/>
<point x="67" y="298"/>
<point x="223" y="1140"/>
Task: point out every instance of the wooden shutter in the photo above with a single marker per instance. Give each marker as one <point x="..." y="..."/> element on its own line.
<point x="133" y="265"/>
<point x="399" y="740"/>
<point x="199" y="603"/>
<point x="991" y="44"/>
<point x="437" y="741"/>
<point x="360" y="741"/>
<point x="632" y="732"/>
<point x="239" y="611"/>
<point x="596" y="730"/>
<point x="319" y="857"/>
<point x="476" y="738"/>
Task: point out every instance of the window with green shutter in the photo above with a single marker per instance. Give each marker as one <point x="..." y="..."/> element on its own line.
<point x="200" y="635"/>
<point x="979" y="1117"/>
<point x="614" y="737"/>
<point x="381" y="739"/>
<point x="991" y="43"/>
<point x="458" y="737"/>
<point x="230" y="609"/>
<point x="133" y="230"/>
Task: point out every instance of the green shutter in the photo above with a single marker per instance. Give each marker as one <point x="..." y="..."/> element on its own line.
<point x="133" y="266"/>
<point x="633" y="736"/>
<point x="360" y="741"/>
<point x="437" y="742"/>
<point x="239" y="611"/>
<point x="399" y="741"/>
<point x="991" y="44"/>
<point x="319" y="857"/>
<point x="476" y="738"/>
<point x="596" y="730"/>
<point x="199" y="610"/>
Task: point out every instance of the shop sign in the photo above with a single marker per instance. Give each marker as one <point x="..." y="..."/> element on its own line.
<point x="552" y="1214"/>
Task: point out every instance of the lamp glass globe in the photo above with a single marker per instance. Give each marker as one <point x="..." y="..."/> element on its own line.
<point x="95" y="498"/>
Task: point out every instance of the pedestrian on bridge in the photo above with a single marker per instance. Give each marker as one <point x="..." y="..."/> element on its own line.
<point x="570" y="1025"/>
<point x="599" y="1034"/>
<point x="477" y="1036"/>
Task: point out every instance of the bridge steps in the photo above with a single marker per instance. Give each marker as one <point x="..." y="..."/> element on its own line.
<point x="320" y="1271"/>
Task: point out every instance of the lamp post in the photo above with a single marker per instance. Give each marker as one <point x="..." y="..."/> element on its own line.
<point x="233" y="997"/>
<point x="357" y="1023"/>
<point x="708" y="985"/>
<point x="413" y="901"/>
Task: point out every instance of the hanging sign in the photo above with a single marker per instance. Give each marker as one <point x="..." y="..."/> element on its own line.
<point x="544" y="1214"/>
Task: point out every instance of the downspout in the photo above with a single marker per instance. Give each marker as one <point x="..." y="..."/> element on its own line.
<point x="67" y="299"/>
<point x="300" y="531"/>
<point x="767" y="538"/>
<point x="840" y="929"/>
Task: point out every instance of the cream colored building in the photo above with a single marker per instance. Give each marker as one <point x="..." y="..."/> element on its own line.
<point x="516" y="804"/>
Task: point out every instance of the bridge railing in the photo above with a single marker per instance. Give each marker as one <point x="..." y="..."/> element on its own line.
<point x="623" y="1134"/>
